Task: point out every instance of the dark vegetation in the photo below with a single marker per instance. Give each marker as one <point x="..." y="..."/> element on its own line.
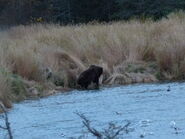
<point x="7" y="123"/>
<point x="113" y="131"/>
<point x="15" y="12"/>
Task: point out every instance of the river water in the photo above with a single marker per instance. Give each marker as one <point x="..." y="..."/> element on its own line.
<point x="154" y="113"/>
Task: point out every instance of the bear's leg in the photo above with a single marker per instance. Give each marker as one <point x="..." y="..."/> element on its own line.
<point x="96" y="81"/>
<point x="85" y="86"/>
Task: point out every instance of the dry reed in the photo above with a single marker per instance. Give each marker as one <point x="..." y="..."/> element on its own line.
<point x="25" y="50"/>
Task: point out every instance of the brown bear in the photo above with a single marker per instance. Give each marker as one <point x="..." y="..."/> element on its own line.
<point x="91" y="75"/>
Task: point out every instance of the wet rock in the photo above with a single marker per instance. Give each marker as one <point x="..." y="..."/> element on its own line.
<point x="47" y="73"/>
<point x="57" y="79"/>
<point x="33" y="92"/>
<point x="51" y="92"/>
<point x="63" y="89"/>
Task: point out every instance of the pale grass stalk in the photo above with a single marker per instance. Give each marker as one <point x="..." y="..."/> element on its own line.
<point x="33" y="47"/>
<point x="5" y="87"/>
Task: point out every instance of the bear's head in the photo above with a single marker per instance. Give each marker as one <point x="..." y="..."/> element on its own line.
<point x="97" y="69"/>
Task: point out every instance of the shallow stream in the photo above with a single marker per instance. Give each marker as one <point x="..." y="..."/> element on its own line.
<point x="154" y="112"/>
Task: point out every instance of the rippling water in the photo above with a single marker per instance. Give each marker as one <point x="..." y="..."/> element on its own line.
<point x="150" y="108"/>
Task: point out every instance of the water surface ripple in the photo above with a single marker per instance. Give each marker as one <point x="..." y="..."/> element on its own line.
<point x="151" y="109"/>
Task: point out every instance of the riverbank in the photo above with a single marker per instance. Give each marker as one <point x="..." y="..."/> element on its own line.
<point x="39" y="60"/>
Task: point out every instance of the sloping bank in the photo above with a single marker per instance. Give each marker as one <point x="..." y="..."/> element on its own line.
<point x="15" y="88"/>
<point x="39" y="60"/>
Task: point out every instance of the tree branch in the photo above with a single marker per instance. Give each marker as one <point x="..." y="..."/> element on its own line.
<point x="8" y="128"/>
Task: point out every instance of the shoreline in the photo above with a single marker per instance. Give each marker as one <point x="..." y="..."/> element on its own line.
<point x="37" y="59"/>
<point x="127" y="73"/>
<point x="59" y="90"/>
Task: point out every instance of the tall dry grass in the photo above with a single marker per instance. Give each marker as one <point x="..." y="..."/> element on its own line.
<point x="25" y="50"/>
<point x="5" y="95"/>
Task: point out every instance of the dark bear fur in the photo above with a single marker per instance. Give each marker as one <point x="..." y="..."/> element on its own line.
<point x="91" y="75"/>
